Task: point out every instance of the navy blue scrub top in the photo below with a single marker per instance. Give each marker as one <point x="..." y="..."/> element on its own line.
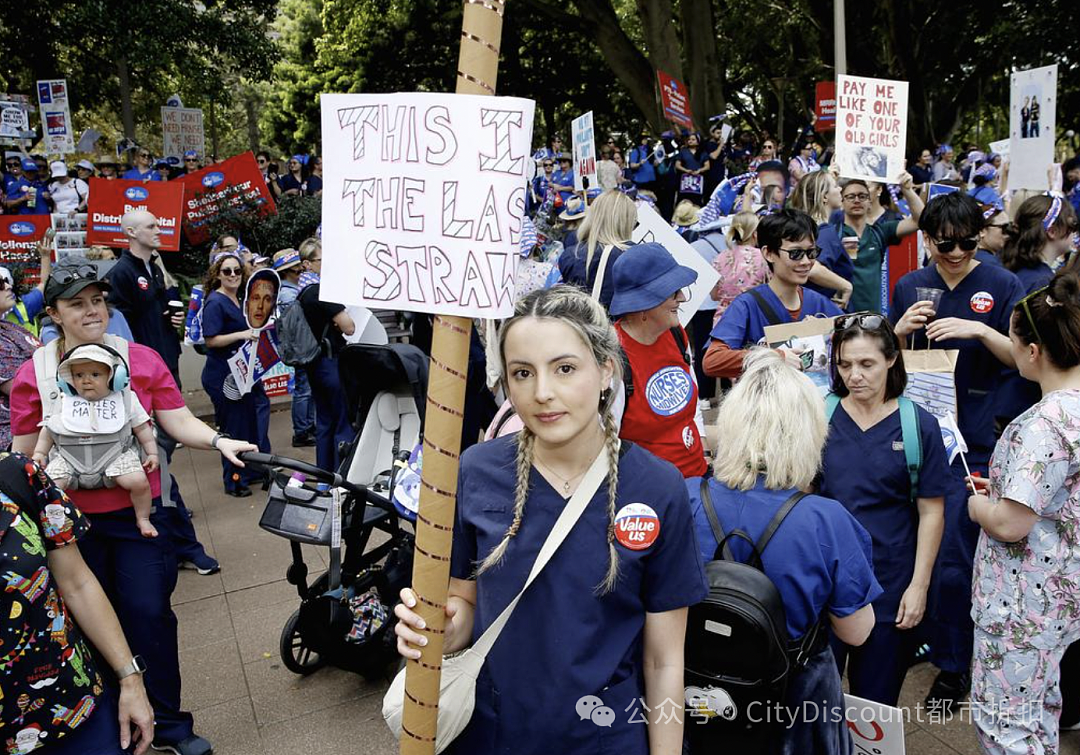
<point x="987" y="294"/>
<point x="819" y="559"/>
<point x="221" y="317"/>
<point x="743" y="323"/>
<point x="867" y="472"/>
<point x="985" y="255"/>
<point x="833" y="256"/>
<point x="1017" y="394"/>
<point x="564" y="639"/>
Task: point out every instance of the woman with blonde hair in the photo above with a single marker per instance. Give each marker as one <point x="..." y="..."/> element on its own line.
<point x="818" y="195"/>
<point x="602" y="237"/>
<point x="605" y="618"/>
<point x="773" y="426"/>
<point x="741" y="266"/>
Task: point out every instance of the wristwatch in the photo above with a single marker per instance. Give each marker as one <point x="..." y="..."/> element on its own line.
<point x="217" y="437"/>
<point x="137" y="666"/>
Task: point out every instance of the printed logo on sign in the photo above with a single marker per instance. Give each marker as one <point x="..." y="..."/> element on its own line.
<point x="637" y="526"/>
<point x="982" y="302"/>
<point x="137" y="194"/>
<point x="212" y="179"/>
<point x="21" y="229"/>
<point x="669" y="390"/>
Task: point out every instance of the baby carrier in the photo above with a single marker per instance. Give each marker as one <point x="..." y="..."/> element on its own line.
<point x="88" y="453"/>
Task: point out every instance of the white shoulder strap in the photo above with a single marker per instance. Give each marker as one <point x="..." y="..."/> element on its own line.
<point x="121" y="346"/>
<point x="566" y="521"/>
<point x="598" y="283"/>
<point x="46" y="359"/>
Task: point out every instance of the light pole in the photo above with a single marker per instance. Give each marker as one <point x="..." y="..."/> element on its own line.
<point x="840" y="49"/>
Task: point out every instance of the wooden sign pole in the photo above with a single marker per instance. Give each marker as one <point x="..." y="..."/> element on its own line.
<point x="478" y="65"/>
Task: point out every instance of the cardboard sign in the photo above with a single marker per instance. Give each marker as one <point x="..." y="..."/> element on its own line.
<point x="812" y="336"/>
<point x="1032" y="120"/>
<point x="675" y="99"/>
<point x="222" y="186"/>
<point x="110" y="200"/>
<point x="871" y="128"/>
<point x="876" y="728"/>
<point x="14" y="121"/>
<point x="825" y="106"/>
<point x="652" y="227"/>
<point x="583" y="140"/>
<point x="19" y="235"/>
<point x="1001" y="147"/>
<point x="260" y="299"/>
<point x="423" y="200"/>
<point x="181" y="130"/>
<point x="58" y="135"/>
<point x="931" y="382"/>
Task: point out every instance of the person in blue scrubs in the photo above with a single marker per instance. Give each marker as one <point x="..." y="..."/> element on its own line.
<point x="609" y="223"/>
<point x="865" y="468"/>
<point x="225" y="330"/>
<point x="563" y="178"/>
<point x="972" y="317"/>
<point x="20" y="190"/>
<point x="788" y="240"/>
<point x="142" y="170"/>
<point x="994" y="235"/>
<point x="607" y="615"/>
<point x="773" y="428"/>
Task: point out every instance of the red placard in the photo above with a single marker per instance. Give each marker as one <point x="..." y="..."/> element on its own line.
<point x="110" y="200"/>
<point x="675" y="99"/>
<point x="903" y="259"/>
<point x="825" y="105"/>
<point x="221" y="186"/>
<point x="19" y="235"/>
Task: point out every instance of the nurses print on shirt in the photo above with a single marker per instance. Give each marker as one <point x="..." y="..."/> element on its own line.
<point x="669" y="391"/>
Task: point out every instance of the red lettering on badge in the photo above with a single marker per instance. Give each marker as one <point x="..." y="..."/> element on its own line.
<point x="982" y="302"/>
<point x="636" y="526"/>
<point x="143" y="283"/>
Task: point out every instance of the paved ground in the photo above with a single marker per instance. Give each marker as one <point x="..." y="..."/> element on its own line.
<point x="247" y="703"/>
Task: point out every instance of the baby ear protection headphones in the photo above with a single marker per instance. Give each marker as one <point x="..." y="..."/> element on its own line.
<point x="121" y="375"/>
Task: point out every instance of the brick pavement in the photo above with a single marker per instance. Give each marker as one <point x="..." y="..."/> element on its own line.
<point x="247" y="703"/>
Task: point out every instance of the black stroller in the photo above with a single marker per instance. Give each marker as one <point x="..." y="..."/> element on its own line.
<point x="345" y="617"/>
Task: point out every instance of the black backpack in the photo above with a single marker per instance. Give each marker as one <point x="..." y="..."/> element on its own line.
<point x="297" y="344"/>
<point x="739" y="656"/>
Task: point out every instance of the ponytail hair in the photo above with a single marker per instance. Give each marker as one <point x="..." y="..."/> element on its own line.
<point x="1051" y="318"/>
<point x="1032" y="226"/>
<point x="743" y="226"/>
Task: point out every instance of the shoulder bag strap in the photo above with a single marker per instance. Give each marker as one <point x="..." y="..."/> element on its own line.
<point x="598" y="282"/>
<point x="778" y="519"/>
<point x="769" y="312"/>
<point x="722" y="549"/>
<point x="909" y="429"/>
<point x="567" y="519"/>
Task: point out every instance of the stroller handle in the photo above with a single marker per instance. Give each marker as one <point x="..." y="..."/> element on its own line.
<point x="331" y="478"/>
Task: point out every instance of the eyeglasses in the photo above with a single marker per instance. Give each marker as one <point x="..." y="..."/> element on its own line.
<point x="230" y="272"/>
<point x="1023" y="304"/>
<point x="67" y="275"/>
<point x="857" y="197"/>
<point x="864" y="320"/>
<point x="797" y="253"/>
<point x="13" y="163"/>
<point x="549" y="165"/>
<point x="191" y="159"/>
<point x="144" y="154"/>
<point x="944" y="246"/>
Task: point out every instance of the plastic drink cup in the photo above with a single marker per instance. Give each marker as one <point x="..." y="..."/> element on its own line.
<point x="932" y="295"/>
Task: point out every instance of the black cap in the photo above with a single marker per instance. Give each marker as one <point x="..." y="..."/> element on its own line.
<point x="77" y="273"/>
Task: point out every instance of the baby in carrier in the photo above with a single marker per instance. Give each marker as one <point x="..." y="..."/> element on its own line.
<point x="91" y="430"/>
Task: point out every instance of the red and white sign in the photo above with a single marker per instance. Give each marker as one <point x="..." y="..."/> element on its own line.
<point x="111" y="200"/>
<point x="825" y="106"/>
<point x="19" y="235"/>
<point x="232" y="184"/>
<point x="876" y="728"/>
<point x="982" y="302"/>
<point x="675" y="99"/>
<point x="637" y="526"/>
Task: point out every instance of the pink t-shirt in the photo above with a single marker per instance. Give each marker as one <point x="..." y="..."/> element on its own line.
<point x="152" y="383"/>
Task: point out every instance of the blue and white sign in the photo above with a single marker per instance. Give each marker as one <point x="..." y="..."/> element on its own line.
<point x="669" y="390"/>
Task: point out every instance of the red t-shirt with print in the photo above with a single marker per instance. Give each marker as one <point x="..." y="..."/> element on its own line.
<point x="660" y="414"/>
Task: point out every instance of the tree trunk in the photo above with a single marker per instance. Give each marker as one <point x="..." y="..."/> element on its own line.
<point x="660" y="40"/>
<point x="126" y="112"/>
<point x="704" y="69"/>
<point x="251" y="113"/>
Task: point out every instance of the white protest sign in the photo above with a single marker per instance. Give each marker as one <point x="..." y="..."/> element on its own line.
<point x="871" y="128"/>
<point x="652" y="227"/>
<point x="14" y="121"/>
<point x="181" y="130"/>
<point x="1001" y="147"/>
<point x="423" y="200"/>
<point x="584" y="145"/>
<point x="58" y="135"/>
<point x="1032" y="118"/>
<point x="876" y="728"/>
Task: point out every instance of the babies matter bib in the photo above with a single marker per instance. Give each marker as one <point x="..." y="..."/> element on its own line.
<point x="82" y="417"/>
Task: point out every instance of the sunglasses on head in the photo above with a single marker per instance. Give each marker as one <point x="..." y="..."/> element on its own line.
<point x="864" y="320"/>
<point x="944" y="246"/>
<point x="797" y="253"/>
<point x="67" y="275"/>
<point x="1023" y="304"/>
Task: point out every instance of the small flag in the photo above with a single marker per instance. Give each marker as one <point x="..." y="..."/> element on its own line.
<point x="950" y="434"/>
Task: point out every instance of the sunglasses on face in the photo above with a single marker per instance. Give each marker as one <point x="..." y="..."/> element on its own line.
<point x="5" y="284"/>
<point x="797" y="253"/>
<point x="13" y="164"/>
<point x="191" y="160"/>
<point x="944" y="246"/>
<point x="144" y="154"/>
<point x="67" y="275"/>
<point x="549" y="165"/>
<point x="230" y="272"/>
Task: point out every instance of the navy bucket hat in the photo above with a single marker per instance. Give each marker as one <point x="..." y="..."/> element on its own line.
<point x="645" y="276"/>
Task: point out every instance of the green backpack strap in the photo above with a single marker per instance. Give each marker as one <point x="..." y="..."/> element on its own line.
<point x="909" y="429"/>
<point x="831" y="402"/>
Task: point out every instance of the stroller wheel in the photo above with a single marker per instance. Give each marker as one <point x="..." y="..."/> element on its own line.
<point x="295" y="654"/>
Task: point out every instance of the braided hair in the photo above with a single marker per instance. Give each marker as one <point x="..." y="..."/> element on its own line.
<point x="575" y="308"/>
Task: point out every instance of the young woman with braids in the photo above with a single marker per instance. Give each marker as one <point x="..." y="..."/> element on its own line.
<point x="607" y="615"/>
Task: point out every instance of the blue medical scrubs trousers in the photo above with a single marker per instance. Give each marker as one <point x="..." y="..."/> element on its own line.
<point x="331" y="413"/>
<point x="176" y="516"/>
<point x="876" y="669"/>
<point x="139" y="576"/>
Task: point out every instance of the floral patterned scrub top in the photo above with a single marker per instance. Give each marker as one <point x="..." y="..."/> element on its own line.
<point x="741" y="268"/>
<point x="48" y="684"/>
<point x="1028" y="592"/>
